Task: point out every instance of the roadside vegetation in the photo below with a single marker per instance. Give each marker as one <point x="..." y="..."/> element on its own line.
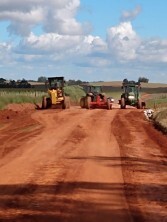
<point x="75" y="92"/>
<point x="8" y="96"/>
<point x="160" y="119"/>
<point x="158" y="102"/>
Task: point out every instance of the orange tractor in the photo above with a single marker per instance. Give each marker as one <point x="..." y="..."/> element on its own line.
<point x="95" y="98"/>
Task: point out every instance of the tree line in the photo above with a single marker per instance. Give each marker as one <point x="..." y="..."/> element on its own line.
<point x="14" y="84"/>
<point x="140" y="79"/>
<point x="25" y="83"/>
<point x="68" y="82"/>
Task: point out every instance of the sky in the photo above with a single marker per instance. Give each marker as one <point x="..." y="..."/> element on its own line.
<point x="90" y="40"/>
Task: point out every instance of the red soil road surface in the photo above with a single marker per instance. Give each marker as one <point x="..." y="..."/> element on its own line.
<point x="81" y="165"/>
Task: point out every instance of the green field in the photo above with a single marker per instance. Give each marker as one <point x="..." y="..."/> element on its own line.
<point x="8" y="96"/>
<point x="157" y="93"/>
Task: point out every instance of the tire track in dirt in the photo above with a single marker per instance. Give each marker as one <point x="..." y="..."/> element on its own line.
<point x="144" y="164"/>
<point x="67" y="172"/>
<point x="15" y="129"/>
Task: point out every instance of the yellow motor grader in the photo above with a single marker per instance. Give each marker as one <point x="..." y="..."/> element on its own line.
<point x="57" y="97"/>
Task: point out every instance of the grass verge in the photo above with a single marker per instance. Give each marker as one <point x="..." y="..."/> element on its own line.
<point x="8" y="99"/>
<point x="160" y="120"/>
<point x="8" y="96"/>
<point x="157" y="101"/>
<point x="75" y="93"/>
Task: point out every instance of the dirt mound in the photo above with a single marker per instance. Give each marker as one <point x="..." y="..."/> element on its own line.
<point x="13" y="111"/>
<point x="20" y="107"/>
<point x="16" y="126"/>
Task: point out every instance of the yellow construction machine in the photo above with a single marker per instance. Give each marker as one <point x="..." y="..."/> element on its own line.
<point x="57" y="97"/>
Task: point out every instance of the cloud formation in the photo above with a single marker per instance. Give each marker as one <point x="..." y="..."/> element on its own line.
<point x="66" y="42"/>
<point x="131" y="14"/>
<point x="123" y="41"/>
<point x="56" y="16"/>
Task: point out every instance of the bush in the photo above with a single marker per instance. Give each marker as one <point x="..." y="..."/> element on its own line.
<point x="75" y="93"/>
<point x="143" y="79"/>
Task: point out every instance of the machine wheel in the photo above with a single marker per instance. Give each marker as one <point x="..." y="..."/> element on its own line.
<point x="123" y="106"/>
<point x="49" y="102"/>
<point x="44" y="103"/>
<point x="88" y="101"/>
<point x="139" y="104"/>
<point x="143" y="105"/>
<point x="82" y="102"/>
<point x="66" y="103"/>
<point x="109" y="105"/>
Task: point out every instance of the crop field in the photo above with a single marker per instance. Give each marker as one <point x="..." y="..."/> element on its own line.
<point x="157" y="93"/>
<point x="35" y="95"/>
<point x="8" y="96"/>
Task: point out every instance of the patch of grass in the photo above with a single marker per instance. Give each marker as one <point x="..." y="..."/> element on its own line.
<point x="8" y="96"/>
<point x="114" y="94"/>
<point x="157" y="101"/>
<point x="160" y="119"/>
<point x="75" y="93"/>
<point x="7" y="99"/>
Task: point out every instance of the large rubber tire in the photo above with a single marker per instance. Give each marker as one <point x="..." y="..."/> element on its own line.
<point x="123" y="105"/>
<point x="66" y="103"/>
<point x="44" y="103"/>
<point x="82" y="102"/>
<point x="109" y="105"/>
<point x="49" y="102"/>
<point x="88" y="101"/>
<point x="139" y="104"/>
<point x="143" y="105"/>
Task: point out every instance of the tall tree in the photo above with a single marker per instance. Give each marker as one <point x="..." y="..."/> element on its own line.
<point x="143" y="79"/>
<point x="42" y="79"/>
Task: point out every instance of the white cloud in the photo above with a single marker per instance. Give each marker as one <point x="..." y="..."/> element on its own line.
<point x="5" y="53"/>
<point x="123" y="41"/>
<point x="130" y="15"/>
<point x="126" y="46"/>
<point x="55" y="16"/>
<point x="48" y="43"/>
<point x="153" y="51"/>
<point x="56" y="43"/>
<point x="65" y="42"/>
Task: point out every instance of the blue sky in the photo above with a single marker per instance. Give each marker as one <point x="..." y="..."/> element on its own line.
<point x="84" y="39"/>
<point x="104" y="14"/>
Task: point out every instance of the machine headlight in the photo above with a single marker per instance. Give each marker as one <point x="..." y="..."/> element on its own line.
<point x="111" y="99"/>
<point x="131" y="97"/>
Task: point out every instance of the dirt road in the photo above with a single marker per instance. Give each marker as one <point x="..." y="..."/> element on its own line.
<point x="81" y="165"/>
